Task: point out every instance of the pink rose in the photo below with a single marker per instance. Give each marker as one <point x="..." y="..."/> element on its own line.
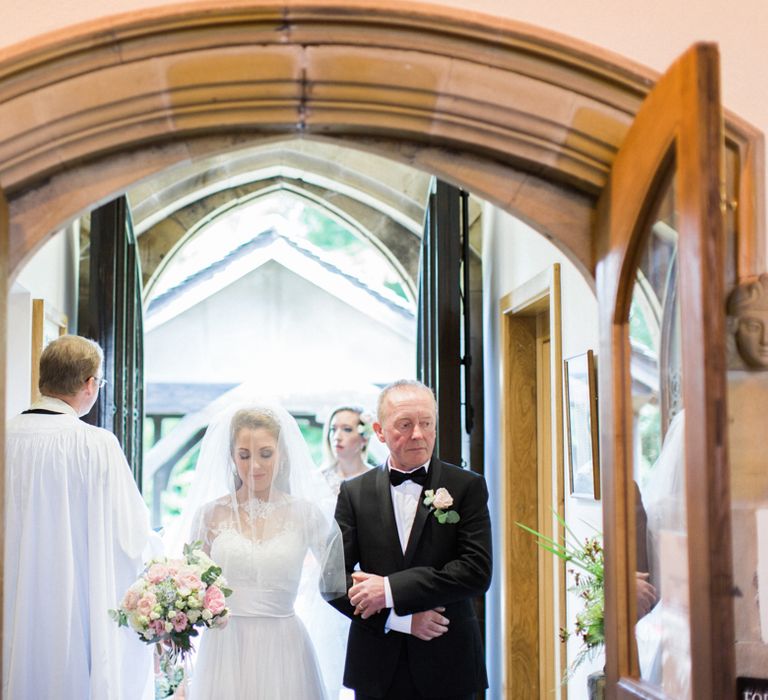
<point x="214" y="600"/>
<point x="174" y="565"/>
<point x="146" y="603"/>
<point x="130" y="600"/>
<point x="187" y="581"/>
<point x="180" y="622"/>
<point x="158" y="627"/>
<point x="442" y="499"/>
<point x="157" y="572"/>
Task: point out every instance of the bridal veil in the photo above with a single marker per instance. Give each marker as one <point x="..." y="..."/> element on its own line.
<point x="265" y="514"/>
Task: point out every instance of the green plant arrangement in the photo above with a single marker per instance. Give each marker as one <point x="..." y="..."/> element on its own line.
<point x="588" y="571"/>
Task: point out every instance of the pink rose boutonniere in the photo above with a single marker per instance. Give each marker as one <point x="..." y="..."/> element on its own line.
<point x="438" y="502"/>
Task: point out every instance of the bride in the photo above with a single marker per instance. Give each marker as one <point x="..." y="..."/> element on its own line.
<point x="265" y="515"/>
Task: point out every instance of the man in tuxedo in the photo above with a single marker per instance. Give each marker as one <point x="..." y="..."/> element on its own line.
<point x="414" y="633"/>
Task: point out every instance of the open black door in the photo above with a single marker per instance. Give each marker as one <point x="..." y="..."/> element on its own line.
<point x="111" y="314"/>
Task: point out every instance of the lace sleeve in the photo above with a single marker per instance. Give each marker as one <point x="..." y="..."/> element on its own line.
<point x="207" y="524"/>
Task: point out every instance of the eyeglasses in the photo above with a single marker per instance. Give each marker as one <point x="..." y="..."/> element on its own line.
<point x="100" y="381"/>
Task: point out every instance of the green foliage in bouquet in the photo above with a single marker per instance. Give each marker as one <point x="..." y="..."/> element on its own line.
<point x="588" y="571"/>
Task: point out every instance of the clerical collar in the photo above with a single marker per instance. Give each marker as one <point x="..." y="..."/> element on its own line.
<point x="48" y="403"/>
<point x="395" y="469"/>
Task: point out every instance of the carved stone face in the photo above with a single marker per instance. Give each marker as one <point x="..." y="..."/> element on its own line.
<point x="748" y="306"/>
<point x="752" y="340"/>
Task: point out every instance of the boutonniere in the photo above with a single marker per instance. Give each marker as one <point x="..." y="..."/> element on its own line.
<point x="438" y="502"/>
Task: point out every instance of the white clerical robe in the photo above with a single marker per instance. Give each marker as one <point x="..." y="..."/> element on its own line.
<point x="76" y="533"/>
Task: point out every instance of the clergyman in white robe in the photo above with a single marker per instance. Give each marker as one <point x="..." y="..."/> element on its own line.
<point x="77" y="531"/>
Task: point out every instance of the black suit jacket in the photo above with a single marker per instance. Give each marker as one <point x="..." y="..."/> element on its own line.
<point x="443" y="565"/>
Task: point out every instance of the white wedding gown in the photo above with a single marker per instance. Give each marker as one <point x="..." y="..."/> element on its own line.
<point x="264" y="652"/>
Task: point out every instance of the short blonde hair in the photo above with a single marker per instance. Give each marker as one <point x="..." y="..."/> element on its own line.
<point x="400" y="384"/>
<point x="67" y="363"/>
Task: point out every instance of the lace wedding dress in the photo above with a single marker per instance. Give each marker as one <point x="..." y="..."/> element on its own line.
<point x="264" y="514"/>
<point x="264" y="651"/>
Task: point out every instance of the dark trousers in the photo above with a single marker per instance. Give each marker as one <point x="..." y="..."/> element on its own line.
<point x="402" y="687"/>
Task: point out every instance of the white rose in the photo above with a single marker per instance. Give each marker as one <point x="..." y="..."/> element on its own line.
<point x="193" y="616"/>
<point x="168" y="627"/>
<point x="138" y="622"/>
<point x="442" y="499"/>
<point x="207" y="614"/>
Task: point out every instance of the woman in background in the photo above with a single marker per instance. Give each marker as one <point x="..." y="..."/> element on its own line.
<point x="346" y="436"/>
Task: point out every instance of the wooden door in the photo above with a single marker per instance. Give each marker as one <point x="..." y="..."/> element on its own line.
<point x="662" y="343"/>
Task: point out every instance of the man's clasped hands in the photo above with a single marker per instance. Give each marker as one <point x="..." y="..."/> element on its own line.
<point x="368" y="596"/>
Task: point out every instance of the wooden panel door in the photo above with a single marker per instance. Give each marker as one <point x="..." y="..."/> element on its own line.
<point x="662" y="412"/>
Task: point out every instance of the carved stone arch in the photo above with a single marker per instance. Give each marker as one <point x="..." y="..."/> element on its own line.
<point x="529" y="121"/>
<point x="526" y="119"/>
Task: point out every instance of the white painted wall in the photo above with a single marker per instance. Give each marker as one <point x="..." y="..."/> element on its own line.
<point x="49" y="275"/>
<point x="276" y="330"/>
<point x="52" y="273"/>
<point x="513" y="253"/>
<point x="19" y="353"/>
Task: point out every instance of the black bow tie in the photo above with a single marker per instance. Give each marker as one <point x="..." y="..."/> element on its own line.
<point x="418" y="476"/>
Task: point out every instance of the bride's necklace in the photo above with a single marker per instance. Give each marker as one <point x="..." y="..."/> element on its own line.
<point x="255" y="508"/>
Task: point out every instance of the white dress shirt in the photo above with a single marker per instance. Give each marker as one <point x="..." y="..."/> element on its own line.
<point x="405" y="502"/>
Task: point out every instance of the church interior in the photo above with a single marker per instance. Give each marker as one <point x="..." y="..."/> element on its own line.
<point x="552" y="215"/>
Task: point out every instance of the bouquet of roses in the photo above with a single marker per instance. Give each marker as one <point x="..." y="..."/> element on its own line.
<point x="169" y="601"/>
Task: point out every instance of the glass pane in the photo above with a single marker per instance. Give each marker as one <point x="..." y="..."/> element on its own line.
<point x="254" y="230"/>
<point x="662" y="630"/>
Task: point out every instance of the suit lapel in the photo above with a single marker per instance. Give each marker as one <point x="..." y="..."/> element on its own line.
<point x="422" y="511"/>
<point x="386" y="511"/>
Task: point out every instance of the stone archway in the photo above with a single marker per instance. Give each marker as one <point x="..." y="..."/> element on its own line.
<point x="530" y="121"/>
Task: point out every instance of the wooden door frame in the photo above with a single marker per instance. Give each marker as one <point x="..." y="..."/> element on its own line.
<point x="529" y="572"/>
<point x="674" y="123"/>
